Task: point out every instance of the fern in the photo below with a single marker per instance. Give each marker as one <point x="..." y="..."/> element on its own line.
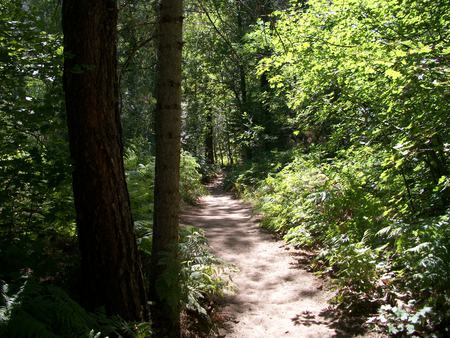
<point x="203" y="275"/>
<point x="38" y="310"/>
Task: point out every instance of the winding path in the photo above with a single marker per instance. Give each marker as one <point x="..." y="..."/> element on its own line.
<point x="276" y="296"/>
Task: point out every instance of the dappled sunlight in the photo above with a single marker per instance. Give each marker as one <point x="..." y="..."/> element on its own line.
<point x="272" y="285"/>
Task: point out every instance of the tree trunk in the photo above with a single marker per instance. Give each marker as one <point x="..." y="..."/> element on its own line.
<point x="228" y="143"/>
<point x="165" y="268"/>
<point x="110" y="267"/>
<point x="209" y="138"/>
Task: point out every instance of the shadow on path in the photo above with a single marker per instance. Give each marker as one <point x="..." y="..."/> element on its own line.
<point x="276" y="296"/>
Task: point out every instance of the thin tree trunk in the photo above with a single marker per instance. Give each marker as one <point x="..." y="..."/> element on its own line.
<point x="165" y="269"/>
<point x="209" y="138"/>
<point x="221" y="154"/>
<point x="228" y="143"/>
<point x="110" y="266"/>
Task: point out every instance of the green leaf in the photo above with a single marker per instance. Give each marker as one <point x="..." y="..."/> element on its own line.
<point x="393" y="73"/>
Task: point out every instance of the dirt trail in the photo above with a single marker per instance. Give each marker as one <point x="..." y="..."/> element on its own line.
<point x="276" y="296"/>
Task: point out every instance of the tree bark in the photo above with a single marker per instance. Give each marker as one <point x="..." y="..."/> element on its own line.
<point x="110" y="267"/>
<point x="164" y="286"/>
<point x="209" y="138"/>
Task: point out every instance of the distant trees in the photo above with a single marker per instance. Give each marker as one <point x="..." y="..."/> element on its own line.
<point x="110" y="268"/>
<point x="137" y="59"/>
<point x="229" y="112"/>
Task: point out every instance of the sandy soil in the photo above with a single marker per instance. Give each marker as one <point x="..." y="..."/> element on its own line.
<point x="276" y="296"/>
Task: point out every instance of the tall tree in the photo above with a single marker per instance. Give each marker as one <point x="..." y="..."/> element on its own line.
<point x="111" y="274"/>
<point x="165" y="284"/>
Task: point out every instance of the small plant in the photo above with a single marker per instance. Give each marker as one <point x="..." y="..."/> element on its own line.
<point x="44" y="311"/>
<point x="404" y="319"/>
<point x="191" y="187"/>
<point x="203" y="275"/>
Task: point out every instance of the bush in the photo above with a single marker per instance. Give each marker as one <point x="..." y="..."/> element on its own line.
<point x="38" y="310"/>
<point x="190" y="179"/>
<point x="377" y="248"/>
<point x="203" y="275"/>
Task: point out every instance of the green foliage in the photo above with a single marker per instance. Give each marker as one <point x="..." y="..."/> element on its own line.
<point x="203" y="275"/>
<point x="140" y="172"/>
<point x="35" y="194"/>
<point x="137" y="58"/>
<point x="339" y="207"/>
<point x="38" y="310"/>
<point x="190" y="179"/>
<point x="246" y="175"/>
<point x="366" y="85"/>
<point x="34" y="309"/>
<point x="224" y="98"/>
<point x="365" y="73"/>
<point x="402" y="320"/>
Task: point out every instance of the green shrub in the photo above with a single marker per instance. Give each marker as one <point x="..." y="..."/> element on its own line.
<point x="355" y="209"/>
<point x="203" y="275"/>
<point x="191" y="187"/>
<point x="39" y="310"/>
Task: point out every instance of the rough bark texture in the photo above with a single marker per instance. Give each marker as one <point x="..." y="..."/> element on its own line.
<point x="165" y="314"/>
<point x="111" y="275"/>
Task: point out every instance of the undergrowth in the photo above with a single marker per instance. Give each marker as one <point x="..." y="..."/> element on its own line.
<point x="36" y="309"/>
<point x="40" y="269"/>
<point x="140" y="172"/>
<point x="203" y="275"/>
<point x="386" y="258"/>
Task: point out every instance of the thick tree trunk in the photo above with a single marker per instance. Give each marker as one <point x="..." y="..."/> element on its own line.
<point x="111" y="274"/>
<point x="165" y="270"/>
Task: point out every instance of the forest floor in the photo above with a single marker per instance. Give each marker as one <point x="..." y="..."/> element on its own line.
<point x="276" y="295"/>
